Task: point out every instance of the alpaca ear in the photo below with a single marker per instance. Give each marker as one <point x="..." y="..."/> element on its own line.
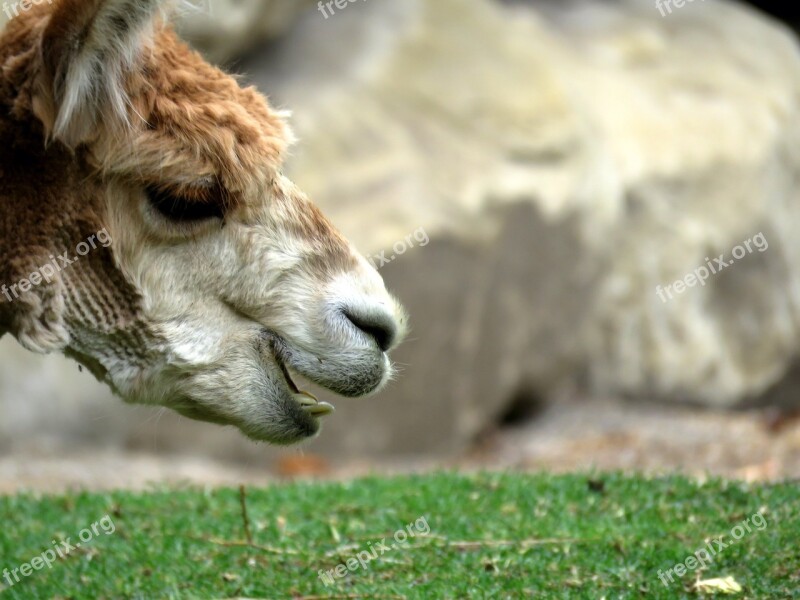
<point x="88" y="47"/>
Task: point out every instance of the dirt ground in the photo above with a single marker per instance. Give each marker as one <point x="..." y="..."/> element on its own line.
<point x="567" y="436"/>
<point x="613" y="434"/>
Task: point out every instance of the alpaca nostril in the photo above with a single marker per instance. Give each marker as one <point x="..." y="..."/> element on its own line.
<point x="375" y="323"/>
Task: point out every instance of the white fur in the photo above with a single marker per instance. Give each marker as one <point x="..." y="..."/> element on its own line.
<point x="208" y="301"/>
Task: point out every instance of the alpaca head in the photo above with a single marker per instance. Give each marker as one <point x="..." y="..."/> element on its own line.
<point x="221" y="281"/>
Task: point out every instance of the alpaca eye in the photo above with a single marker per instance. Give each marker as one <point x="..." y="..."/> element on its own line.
<point x="186" y="208"/>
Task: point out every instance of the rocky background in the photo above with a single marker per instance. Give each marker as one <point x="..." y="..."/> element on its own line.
<point x="557" y="161"/>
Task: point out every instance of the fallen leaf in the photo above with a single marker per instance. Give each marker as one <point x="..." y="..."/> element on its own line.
<point x="303" y="466"/>
<point x="720" y="585"/>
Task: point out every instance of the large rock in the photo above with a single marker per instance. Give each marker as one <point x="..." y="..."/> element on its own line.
<point x="225" y="29"/>
<point x="566" y="162"/>
<point x="563" y="160"/>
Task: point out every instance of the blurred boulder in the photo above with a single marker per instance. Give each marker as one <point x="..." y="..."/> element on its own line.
<point x="225" y="29"/>
<point x="526" y="175"/>
<point x="566" y="159"/>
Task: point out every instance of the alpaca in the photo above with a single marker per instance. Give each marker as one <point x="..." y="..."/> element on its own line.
<point x="220" y="281"/>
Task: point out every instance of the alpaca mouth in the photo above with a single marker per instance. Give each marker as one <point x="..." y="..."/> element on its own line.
<point x="307" y="401"/>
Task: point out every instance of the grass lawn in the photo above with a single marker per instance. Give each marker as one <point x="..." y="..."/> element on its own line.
<point x="492" y="535"/>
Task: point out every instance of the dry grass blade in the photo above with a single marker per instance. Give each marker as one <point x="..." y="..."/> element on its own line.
<point x="235" y="544"/>
<point x="245" y="518"/>
<point x="530" y="543"/>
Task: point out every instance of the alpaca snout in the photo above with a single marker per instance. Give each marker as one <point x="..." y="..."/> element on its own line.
<point x="374" y="322"/>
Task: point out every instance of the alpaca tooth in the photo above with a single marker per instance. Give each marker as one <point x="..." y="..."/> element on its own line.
<point x="305" y="399"/>
<point x="309" y="395"/>
<point x="321" y="409"/>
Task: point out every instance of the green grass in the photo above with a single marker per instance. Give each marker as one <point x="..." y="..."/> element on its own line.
<point x="568" y="539"/>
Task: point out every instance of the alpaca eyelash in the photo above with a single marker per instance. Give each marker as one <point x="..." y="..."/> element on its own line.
<point x="200" y="205"/>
